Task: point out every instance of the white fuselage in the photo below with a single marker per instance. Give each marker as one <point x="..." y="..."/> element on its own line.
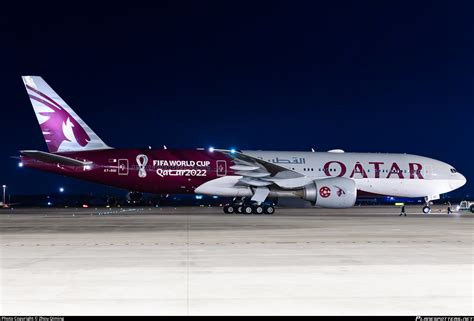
<point x="378" y="173"/>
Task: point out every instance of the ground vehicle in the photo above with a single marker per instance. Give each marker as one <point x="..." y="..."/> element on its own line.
<point x="466" y="206"/>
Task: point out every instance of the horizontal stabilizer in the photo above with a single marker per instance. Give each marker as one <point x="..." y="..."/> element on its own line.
<point x="54" y="158"/>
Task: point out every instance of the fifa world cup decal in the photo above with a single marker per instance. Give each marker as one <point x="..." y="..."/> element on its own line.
<point x="142" y="160"/>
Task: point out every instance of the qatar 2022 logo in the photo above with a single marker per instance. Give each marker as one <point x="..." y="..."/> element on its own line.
<point x="142" y="160"/>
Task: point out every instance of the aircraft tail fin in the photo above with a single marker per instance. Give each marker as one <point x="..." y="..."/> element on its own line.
<point x="62" y="128"/>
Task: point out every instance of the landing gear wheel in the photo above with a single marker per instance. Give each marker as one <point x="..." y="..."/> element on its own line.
<point x="258" y="209"/>
<point x="229" y="209"/>
<point x="247" y="209"/>
<point x="472" y="208"/>
<point x="426" y="209"/>
<point x="239" y="209"/>
<point x="269" y="210"/>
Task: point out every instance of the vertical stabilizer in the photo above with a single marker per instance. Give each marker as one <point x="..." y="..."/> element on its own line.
<point x="62" y="128"/>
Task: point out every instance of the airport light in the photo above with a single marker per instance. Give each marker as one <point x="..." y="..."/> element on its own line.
<point x="20" y="164"/>
<point x="61" y="189"/>
<point x="4" y="188"/>
<point x="211" y="149"/>
<point x="232" y="150"/>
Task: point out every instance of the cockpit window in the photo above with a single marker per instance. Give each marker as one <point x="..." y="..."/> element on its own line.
<point x="453" y="170"/>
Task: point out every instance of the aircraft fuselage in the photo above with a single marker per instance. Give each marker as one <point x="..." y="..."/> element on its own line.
<point x="183" y="171"/>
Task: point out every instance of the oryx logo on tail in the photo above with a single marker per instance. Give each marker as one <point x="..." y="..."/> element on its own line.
<point x="62" y="128"/>
<point x="56" y="123"/>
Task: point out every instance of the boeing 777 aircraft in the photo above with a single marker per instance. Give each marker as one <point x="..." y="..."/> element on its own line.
<point x="327" y="179"/>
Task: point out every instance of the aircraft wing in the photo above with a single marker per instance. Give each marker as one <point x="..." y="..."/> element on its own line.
<point x="256" y="172"/>
<point x="53" y="158"/>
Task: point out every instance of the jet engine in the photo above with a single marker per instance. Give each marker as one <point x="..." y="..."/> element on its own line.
<point x="335" y="192"/>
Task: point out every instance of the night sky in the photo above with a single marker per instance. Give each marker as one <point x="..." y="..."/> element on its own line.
<point x="375" y="77"/>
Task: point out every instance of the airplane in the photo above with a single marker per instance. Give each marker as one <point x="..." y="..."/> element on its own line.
<point x="252" y="178"/>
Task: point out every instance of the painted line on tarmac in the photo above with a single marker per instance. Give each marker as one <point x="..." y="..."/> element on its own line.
<point x="230" y="243"/>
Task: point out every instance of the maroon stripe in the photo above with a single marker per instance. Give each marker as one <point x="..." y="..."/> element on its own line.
<point x="42" y="101"/>
<point x="44" y="96"/>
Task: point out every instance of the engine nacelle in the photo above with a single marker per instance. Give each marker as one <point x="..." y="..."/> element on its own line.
<point x="335" y="192"/>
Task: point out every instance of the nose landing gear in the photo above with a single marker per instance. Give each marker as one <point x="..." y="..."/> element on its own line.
<point x="428" y="199"/>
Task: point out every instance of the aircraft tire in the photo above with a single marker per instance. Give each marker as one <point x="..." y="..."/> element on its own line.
<point x="269" y="210"/>
<point x="426" y="209"/>
<point x="472" y="208"/>
<point x="246" y="209"/>
<point x="229" y="209"/>
<point x="258" y="209"/>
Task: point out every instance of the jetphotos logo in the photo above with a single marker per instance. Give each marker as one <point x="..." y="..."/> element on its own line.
<point x="441" y="318"/>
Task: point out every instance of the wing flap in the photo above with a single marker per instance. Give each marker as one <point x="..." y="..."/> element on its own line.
<point x="259" y="173"/>
<point x="254" y="182"/>
<point x="290" y="183"/>
<point x="254" y="174"/>
<point x="244" y="168"/>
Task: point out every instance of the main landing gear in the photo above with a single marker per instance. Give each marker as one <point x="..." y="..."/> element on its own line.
<point x="248" y="208"/>
<point x="426" y="209"/>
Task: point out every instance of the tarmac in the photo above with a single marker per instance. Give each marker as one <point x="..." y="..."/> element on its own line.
<point x="199" y="261"/>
